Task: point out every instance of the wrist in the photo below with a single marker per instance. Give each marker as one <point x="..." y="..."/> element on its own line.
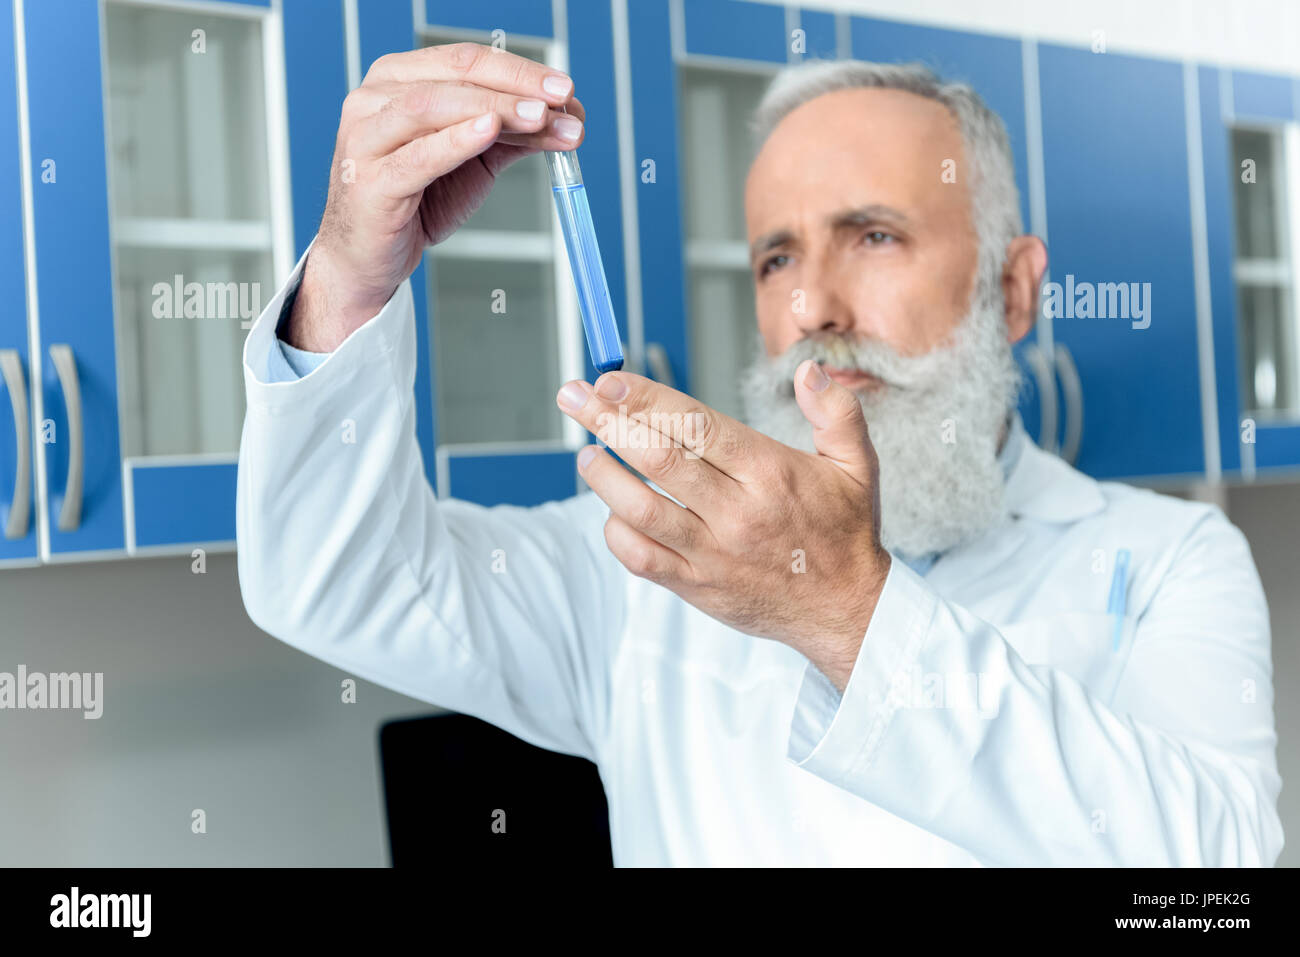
<point x="836" y="657"/>
<point x="323" y="313"/>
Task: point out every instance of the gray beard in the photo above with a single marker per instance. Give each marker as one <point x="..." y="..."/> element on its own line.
<point x="935" y="426"/>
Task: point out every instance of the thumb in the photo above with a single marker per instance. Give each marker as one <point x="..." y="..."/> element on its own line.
<point x="839" y="427"/>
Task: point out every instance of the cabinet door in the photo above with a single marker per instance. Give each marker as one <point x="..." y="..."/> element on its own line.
<point x="1250" y="145"/>
<point x="74" y="376"/>
<point x="1115" y="153"/>
<point x="496" y="311"/>
<point x="161" y="169"/>
<point x="17" y="475"/>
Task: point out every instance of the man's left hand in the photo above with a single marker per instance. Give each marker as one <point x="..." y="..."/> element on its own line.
<point x="775" y="542"/>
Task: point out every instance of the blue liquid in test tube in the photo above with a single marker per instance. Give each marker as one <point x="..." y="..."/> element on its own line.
<point x="584" y="260"/>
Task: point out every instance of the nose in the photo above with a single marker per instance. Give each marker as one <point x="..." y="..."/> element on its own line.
<point x="819" y="305"/>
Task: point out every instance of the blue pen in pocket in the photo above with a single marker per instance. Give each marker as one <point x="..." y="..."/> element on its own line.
<point x="1118" y="595"/>
<point x="584" y="260"/>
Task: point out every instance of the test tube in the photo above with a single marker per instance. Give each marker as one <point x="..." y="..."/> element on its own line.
<point x="584" y="260"/>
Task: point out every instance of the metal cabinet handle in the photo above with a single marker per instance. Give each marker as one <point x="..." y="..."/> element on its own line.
<point x="1046" y="382"/>
<point x="656" y="360"/>
<point x="11" y="366"/>
<point x="65" y="364"/>
<point x="1072" y="389"/>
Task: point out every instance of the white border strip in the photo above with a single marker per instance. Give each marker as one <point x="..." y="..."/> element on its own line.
<point x="200" y="6"/>
<point x="1201" y="266"/>
<point x="280" y="173"/>
<point x="1037" y="176"/>
<point x="352" y="42"/>
<point x="676" y="28"/>
<point x="629" y="173"/>
<point x="843" y="37"/>
<point x="34" y="376"/>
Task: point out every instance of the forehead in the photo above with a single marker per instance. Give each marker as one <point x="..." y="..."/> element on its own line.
<point x="854" y="147"/>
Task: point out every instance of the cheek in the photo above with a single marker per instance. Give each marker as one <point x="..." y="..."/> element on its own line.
<point x="776" y="320"/>
<point x="903" y="306"/>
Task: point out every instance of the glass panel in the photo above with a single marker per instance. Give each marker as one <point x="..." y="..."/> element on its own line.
<point x="187" y="128"/>
<point x="717" y="147"/>
<point x="1268" y="352"/>
<point x="724" y="335"/>
<point x="496" y="350"/>
<point x="521" y="196"/>
<point x="182" y="384"/>
<point x="1257" y="203"/>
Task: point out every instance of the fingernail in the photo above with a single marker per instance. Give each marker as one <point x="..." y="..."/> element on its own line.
<point x="585" y="456"/>
<point x="572" y="397"/>
<point x="611" y="388"/>
<point x="568" y="127"/>
<point x="815" y="378"/>
<point x="483" y="123"/>
<point x="530" y="109"/>
<point x="557" y="84"/>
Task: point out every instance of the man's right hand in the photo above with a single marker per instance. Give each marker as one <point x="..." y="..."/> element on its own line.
<point x="420" y="143"/>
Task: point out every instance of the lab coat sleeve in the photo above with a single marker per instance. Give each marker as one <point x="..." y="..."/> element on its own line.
<point x="1177" y="768"/>
<point x="345" y="553"/>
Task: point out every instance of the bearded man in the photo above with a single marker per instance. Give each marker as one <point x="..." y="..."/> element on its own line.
<point x="872" y="625"/>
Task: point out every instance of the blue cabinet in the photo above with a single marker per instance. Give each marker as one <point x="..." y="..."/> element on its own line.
<point x="110" y="390"/>
<point x="1227" y="98"/>
<point x="17" y="451"/>
<point x="1116" y="167"/>
<point x="1124" y="163"/>
<point x="74" y="403"/>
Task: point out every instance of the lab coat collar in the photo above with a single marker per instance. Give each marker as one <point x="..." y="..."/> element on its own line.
<point x="1043" y="487"/>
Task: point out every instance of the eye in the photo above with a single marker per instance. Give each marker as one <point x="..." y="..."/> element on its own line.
<point x="772" y="262"/>
<point x="876" y="238"/>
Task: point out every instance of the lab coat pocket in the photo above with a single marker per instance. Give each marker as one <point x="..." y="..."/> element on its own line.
<point x="1087" y="645"/>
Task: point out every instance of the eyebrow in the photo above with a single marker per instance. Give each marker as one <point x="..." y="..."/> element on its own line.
<point x="857" y="216"/>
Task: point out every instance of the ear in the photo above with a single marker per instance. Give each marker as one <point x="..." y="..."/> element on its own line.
<point x="1022" y="274"/>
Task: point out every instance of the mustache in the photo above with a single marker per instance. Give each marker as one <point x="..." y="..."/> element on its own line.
<point x="871" y="356"/>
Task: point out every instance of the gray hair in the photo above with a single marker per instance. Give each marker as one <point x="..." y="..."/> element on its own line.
<point x="995" y="200"/>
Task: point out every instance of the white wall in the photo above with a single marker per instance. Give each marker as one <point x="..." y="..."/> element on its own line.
<point x="1255" y="34"/>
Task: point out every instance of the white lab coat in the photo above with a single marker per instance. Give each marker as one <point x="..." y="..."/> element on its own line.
<point x="988" y="720"/>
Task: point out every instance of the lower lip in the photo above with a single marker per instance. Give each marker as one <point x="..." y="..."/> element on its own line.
<point x="853" y="379"/>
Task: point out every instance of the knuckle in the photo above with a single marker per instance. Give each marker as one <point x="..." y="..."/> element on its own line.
<point x="646" y="513"/>
<point x="641" y="560"/>
<point x="353" y="105"/>
<point x="749" y="521"/>
<point x="702" y="430"/>
<point x="777" y="473"/>
<point x="379" y="67"/>
<point x="464" y="57"/>
<point x="660" y="459"/>
<point x="421" y="98"/>
<point x="519" y="71"/>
